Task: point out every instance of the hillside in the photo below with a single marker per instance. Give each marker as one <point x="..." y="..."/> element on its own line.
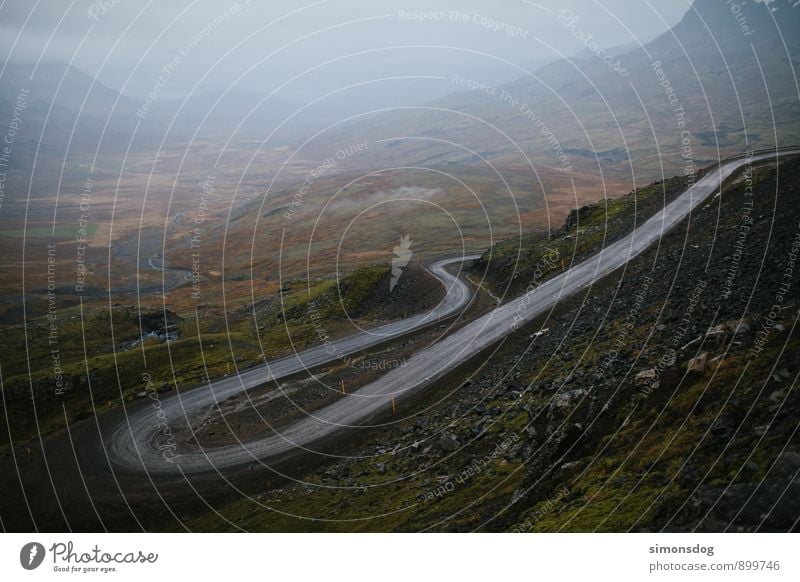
<point x="651" y="402"/>
<point x="104" y="352"/>
<point x="213" y="321"/>
<point x="717" y="83"/>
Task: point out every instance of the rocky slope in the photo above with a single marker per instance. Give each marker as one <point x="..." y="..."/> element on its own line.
<point x="664" y="398"/>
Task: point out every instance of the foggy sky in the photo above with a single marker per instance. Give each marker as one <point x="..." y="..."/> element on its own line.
<point x="128" y="44"/>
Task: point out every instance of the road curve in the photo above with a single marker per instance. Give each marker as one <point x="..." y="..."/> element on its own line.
<point x="135" y="445"/>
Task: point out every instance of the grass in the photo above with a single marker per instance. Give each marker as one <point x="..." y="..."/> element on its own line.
<point x="102" y="370"/>
<point x="690" y="434"/>
<point x="512" y="265"/>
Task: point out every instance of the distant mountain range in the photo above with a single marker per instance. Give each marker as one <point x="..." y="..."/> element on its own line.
<point x="721" y="81"/>
<point x="67" y="110"/>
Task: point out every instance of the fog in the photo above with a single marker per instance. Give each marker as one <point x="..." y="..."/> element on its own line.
<point x="363" y="51"/>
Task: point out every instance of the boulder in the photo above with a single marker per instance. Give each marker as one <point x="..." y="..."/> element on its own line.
<point x="646" y="376"/>
<point x="741" y="327"/>
<point x="718" y="334"/>
<point x="567" y="398"/>
<point x="698" y="365"/>
<point x="448" y="443"/>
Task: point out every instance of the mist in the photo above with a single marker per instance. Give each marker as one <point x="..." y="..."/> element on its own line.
<point x="349" y="55"/>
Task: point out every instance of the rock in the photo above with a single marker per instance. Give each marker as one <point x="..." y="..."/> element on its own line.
<point x="568" y="398"/>
<point x="567" y="436"/>
<point x="777" y="396"/>
<point x="140" y="395"/>
<point x="421" y="423"/>
<point x="742" y="332"/>
<point x="718" y="334"/>
<point x="449" y="443"/>
<point x="741" y="327"/>
<point x="698" y="365"/>
<point x="646" y="376"/>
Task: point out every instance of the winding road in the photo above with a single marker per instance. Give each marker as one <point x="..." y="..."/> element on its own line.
<point x="134" y="445"/>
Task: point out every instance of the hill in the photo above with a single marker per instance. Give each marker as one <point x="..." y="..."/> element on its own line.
<point x="721" y="81"/>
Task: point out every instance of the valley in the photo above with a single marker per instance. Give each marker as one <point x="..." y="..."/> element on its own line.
<point x="350" y="267"/>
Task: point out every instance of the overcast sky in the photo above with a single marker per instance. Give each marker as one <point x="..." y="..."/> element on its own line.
<point x="265" y="44"/>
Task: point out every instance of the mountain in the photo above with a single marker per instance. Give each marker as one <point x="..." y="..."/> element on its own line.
<point x="66" y="110"/>
<point x="63" y="86"/>
<point x="58" y="108"/>
<point x="720" y="81"/>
